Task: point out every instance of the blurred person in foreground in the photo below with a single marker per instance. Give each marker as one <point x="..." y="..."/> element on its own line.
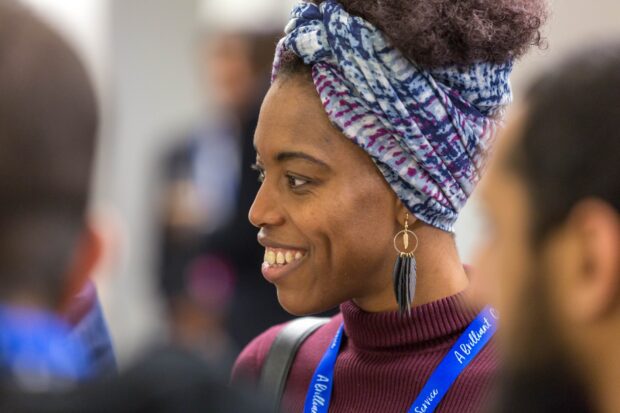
<point x="51" y="325"/>
<point x="216" y="301"/>
<point x="553" y="199"/>
<point x="50" y="244"/>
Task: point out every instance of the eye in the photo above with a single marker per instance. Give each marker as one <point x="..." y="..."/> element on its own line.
<point x="295" y="182"/>
<point x="261" y="172"/>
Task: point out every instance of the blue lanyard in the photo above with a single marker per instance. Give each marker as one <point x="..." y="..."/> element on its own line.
<point x="466" y="348"/>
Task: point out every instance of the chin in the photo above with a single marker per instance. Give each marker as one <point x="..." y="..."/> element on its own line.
<point x="300" y="304"/>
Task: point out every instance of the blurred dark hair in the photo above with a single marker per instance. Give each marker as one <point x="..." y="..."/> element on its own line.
<point x="570" y="146"/>
<point x="48" y="124"/>
<point x="446" y="32"/>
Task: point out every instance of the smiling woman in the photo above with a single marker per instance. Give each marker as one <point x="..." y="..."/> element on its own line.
<point x="309" y="203"/>
<point x="358" y="144"/>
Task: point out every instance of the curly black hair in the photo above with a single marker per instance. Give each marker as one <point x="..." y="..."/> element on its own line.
<point x="435" y="33"/>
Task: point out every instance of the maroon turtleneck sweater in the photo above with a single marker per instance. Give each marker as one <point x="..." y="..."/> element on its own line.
<point x="385" y="359"/>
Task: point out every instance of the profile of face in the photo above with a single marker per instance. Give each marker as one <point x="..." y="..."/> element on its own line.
<point x="512" y="277"/>
<point x="557" y="291"/>
<point x="327" y="217"/>
<point x="505" y="260"/>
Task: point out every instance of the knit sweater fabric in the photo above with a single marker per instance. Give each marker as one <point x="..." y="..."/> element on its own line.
<point x="385" y="359"/>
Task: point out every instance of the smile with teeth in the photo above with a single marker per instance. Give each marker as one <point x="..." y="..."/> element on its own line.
<point x="279" y="257"/>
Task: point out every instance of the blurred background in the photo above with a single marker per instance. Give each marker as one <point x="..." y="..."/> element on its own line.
<point x="180" y="84"/>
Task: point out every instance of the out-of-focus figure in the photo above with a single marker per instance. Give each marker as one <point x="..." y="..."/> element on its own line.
<point x="552" y="260"/>
<point x="50" y="244"/>
<point x="52" y="330"/>
<point x="217" y="299"/>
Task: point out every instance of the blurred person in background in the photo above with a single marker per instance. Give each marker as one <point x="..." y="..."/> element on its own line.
<point x="552" y="260"/>
<point x="373" y="135"/>
<point x="50" y="244"/>
<point x="51" y="324"/>
<point x="215" y="297"/>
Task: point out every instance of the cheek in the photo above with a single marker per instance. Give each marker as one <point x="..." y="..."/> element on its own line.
<point x="360" y="231"/>
<point x="483" y="276"/>
<point x="512" y="263"/>
<point x="557" y="275"/>
<point x="511" y="269"/>
<point x="501" y="263"/>
<point x="349" y="232"/>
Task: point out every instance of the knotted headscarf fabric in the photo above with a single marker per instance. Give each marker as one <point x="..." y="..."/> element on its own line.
<point x="428" y="131"/>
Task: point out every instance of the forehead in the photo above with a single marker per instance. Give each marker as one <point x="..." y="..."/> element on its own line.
<point x="292" y="114"/>
<point x="293" y="119"/>
<point x="508" y="139"/>
<point x="498" y="174"/>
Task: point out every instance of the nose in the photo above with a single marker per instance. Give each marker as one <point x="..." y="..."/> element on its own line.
<point x="264" y="210"/>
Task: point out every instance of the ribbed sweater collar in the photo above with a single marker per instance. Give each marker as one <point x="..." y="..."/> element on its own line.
<point x="427" y="326"/>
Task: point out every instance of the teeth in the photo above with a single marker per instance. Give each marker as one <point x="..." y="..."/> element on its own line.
<point x="274" y="257"/>
<point x="280" y="258"/>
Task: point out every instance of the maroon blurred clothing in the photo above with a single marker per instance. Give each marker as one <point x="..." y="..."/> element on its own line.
<point x="385" y="359"/>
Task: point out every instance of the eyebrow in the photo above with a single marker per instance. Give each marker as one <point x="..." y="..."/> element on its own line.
<point x="288" y="156"/>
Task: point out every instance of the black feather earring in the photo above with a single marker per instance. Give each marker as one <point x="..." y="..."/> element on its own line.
<point x="405" y="270"/>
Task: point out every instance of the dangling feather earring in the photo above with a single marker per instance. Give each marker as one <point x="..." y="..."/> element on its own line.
<point x="404" y="276"/>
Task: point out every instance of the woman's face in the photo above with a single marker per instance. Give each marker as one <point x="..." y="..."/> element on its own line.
<point x="326" y="215"/>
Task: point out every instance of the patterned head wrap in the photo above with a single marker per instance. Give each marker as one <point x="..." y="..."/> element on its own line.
<point x="427" y="130"/>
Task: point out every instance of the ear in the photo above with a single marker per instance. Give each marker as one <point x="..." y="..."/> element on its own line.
<point x="595" y="287"/>
<point x="400" y="212"/>
<point x="93" y="247"/>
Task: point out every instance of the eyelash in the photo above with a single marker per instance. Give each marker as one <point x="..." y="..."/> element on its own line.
<point x="260" y="170"/>
<point x="291" y="178"/>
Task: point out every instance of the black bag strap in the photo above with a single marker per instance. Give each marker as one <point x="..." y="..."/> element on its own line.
<point x="281" y="355"/>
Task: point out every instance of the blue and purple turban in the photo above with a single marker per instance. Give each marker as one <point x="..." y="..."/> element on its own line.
<point x="428" y="131"/>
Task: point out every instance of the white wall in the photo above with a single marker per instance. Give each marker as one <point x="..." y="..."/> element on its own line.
<point x="153" y="93"/>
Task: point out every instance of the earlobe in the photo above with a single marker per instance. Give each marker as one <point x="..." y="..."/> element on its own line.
<point x="597" y="226"/>
<point x="91" y="250"/>
<point x="400" y="212"/>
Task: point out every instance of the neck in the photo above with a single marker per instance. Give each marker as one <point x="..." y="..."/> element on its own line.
<point x="20" y="300"/>
<point x="440" y="273"/>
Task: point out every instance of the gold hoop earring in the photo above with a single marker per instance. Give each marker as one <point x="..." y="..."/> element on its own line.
<point x="405" y="268"/>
